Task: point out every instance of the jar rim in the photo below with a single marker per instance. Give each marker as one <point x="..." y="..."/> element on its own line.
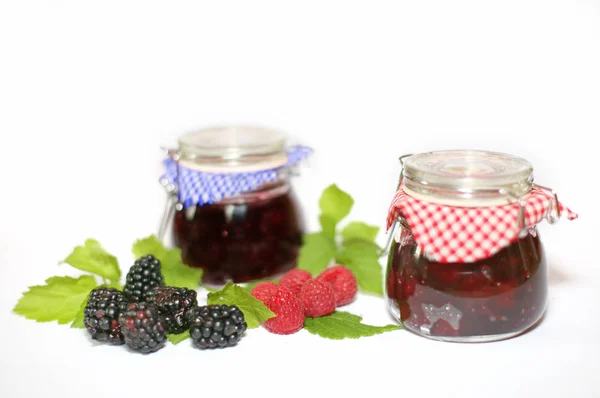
<point x="233" y="148"/>
<point x="466" y="177"/>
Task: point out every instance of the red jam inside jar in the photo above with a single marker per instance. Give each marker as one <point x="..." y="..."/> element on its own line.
<point x="489" y="299"/>
<point x="235" y="214"/>
<point x="452" y="286"/>
<point x="254" y="236"/>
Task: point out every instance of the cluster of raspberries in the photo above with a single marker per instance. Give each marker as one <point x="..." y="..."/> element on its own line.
<point x="299" y="295"/>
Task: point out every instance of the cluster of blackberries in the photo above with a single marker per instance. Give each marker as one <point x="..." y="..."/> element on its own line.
<point x="147" y="310"/>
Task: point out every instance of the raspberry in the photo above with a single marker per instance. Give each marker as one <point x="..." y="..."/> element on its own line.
<point x="141" y="326"/>
<point x="173" y="303"/>
<point x="143" y="276"/>
<point x="101" y="315"/>
<point x="318" y="298"/>
<point x="264" y="290"/>
<point x="343" y="282"/>
<point x="288" y="310"/>
<point x="294" y="280"/>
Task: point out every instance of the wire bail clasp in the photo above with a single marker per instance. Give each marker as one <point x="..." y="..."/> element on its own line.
<point x="171" y="189"/>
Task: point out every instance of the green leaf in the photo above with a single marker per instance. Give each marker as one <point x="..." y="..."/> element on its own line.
<point x="316" y="252"/>
<point x="78" y="321"/>
<point x="328" y="225"/>
<point x="343" y="325"/>
<point x="115" y="285"/>
<point x="362" y="258"/>
<point x="175" y="272"/>
<point x="178" y="274"/>
<point x="93" y="258"/>
<point x="178" y="338"/>
<point x="254" y="310"/>
<point x="60" y="299"/>
<point x="335" y="203"/>
<point x="359" y="230"/>
<point x="150" y="245"/>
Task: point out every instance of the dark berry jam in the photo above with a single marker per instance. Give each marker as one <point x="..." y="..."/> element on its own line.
<point x="241" y="240"/>
<point x="487" y="300"/>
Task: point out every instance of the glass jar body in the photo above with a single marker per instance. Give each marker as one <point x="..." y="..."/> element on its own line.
<point x="491" y="299"/>
<point x="243" y="238"/>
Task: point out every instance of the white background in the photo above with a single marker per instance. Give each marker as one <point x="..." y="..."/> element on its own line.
<point x="90" y="90"/>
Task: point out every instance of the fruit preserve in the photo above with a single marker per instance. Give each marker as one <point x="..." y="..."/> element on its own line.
<point x="466" y="262"/>
<point x="233" y="212"/>
<point x="241" y="240"/>
<point x="499" y="296"/>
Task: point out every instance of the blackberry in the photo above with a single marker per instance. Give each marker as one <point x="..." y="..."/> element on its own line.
<point x="143" y="276"/>
<point x="101" y="315"/>
<point x="173" y="303"/>
<point x="215" y="326"/>
<point x="142" y="328"/>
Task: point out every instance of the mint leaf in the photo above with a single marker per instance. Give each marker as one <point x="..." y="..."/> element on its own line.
<point x="60" y="299"/>
<point x="316" y="252"/>
<point x="178" y="338"/>
<point x="328" y="225"/>
<point x="335" y="203"/>
<point x="359" y="230"/>
<point x="175" y="272"/>
<point x="343" y="325"/>
<point x="254" y="310"/>
<point x="362" y="258"/>
<point x="93" y="258"/>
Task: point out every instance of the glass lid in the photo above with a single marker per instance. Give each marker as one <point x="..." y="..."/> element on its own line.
<point x="233" y="149"/>
<point x="467" y="175"/>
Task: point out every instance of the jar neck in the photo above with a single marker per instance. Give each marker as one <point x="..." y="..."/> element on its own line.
<point x="276" y="188"/>
<point x="456" y="196"/>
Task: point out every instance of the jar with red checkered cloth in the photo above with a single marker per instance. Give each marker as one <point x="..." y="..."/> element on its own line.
<point x="466" y="263"/>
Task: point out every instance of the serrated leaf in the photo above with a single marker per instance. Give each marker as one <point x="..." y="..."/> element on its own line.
<point x="316" y="252"/>
<point x="343" y="325"/>
<point x="149" y="245"/>
<point x="254" y="310"/>
<point x="359" y="230"/>
<point x="78" y="321"/>
<point x="115" y="285"/>
<point x="328" y="225"/>
<point x="178" y="338"/>
<point x="175" y="272"/>
<point x="58" y="300"/>
<point x="335" y="203"/>
<point x="362" y="258"/>
<point x="92" y="257"/>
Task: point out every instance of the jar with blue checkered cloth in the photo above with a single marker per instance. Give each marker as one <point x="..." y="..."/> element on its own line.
<point x="231" y="207"/>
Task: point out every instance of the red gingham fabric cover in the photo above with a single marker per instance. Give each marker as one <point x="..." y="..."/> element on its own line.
<point x="449" y="234"/>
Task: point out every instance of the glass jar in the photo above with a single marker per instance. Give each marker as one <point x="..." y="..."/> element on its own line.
<point x="466" y="263"/>
<point x="232" y="210"/>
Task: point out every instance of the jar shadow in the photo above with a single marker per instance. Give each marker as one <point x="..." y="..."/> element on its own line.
<point x="556" y="275"/>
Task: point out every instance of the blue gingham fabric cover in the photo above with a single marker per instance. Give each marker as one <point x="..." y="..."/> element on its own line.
<point x="199" y="188"/>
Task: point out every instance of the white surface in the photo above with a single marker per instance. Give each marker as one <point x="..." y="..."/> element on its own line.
<point x="88" y="92"/>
